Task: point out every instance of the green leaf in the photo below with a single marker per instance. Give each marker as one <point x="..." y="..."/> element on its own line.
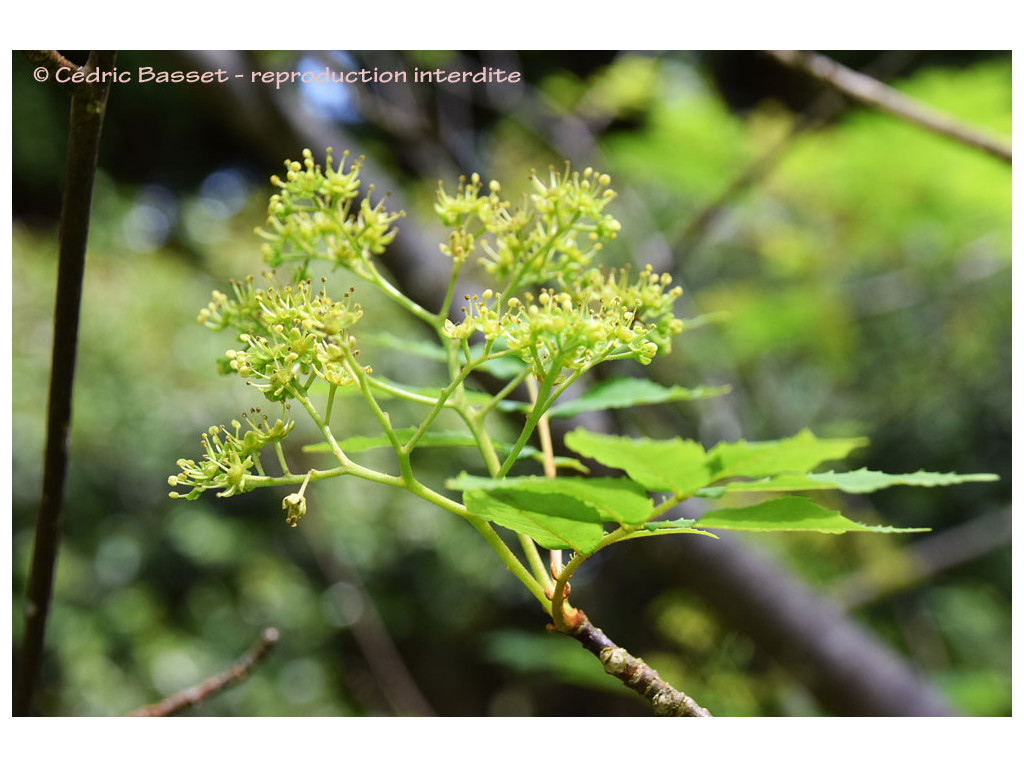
<point x="553" y="521"/>
<point x="558" y="513"/>
<point x="625" y="393"/>
<point x="859" y="481"/>
<point x="616" y="500"/>
<point x="793" y="455"/>
<point x="673" y="465"/>
<point x="790" y="513"/>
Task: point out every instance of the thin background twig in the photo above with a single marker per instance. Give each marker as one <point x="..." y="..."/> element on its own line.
<point x="233" y="675"/>
<point x="873" y="93"/>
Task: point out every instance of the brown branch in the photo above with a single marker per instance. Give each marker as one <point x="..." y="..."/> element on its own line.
<point x="233" y="675"/>
<point x="53" y="60"/>
<point x="88" y="106"/>
<point x="871" y="92"/>
<point x="635" y="673"/>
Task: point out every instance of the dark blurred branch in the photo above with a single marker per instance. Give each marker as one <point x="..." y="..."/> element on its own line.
<point x="233" y="675"/>
<point x="871" y="92"/>
<point x="636" y="674"/>
<point x="88" y="107"/>
<point x="849" y="672"/>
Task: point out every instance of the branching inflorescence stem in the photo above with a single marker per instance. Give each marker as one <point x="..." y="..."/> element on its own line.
<point x="581" y="317"/>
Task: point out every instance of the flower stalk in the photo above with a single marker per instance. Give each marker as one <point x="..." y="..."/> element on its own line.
<point x="556" y="316"/>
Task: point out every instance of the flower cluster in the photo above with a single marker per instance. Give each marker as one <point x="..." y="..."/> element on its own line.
<point x="294" y="333"/>
<point x="597" y="318"/>
<point x="649" y="297"/>
<point x="584" y="315"/>
<point x="316" y="216"/>
<point x="229" y="456"/>
<point x="555" y="233"/>
<point x="240" y="310"/>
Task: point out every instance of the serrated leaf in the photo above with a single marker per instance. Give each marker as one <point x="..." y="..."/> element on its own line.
<point x="659" y="465"/>
<point x="867" y="481"/>
<point x="859" y="481"/>
<point x="553" y="521"/>
<point x="625" y="393"/>
<point x="792" y="455"/>
<point x="790" y="513"/>
<point x="616" y="500"/>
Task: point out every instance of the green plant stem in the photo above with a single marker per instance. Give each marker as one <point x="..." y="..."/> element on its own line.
<point x="382" y="417"/>
<point x="505" y="391"/>
<point x="484" y="528"/>
<point x="486" y="447"/>
<point x="560" y="591"/>
<point x="280" y="453"/>
<point x="330" y="403"/>
<point x="548" y="455"/>
<point x="441" y="401"/>
<point x="398" y="297"/>
<point x="449" y="295"/>
<point x="404" y="394"/>
<point x="408" y="481"/>
<point x="476" y="426"/>
<point x="531" y="424"/>
<point x="325" y="429"/>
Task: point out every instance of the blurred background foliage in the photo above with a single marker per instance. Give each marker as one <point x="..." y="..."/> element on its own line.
<point x="864" y="275"/>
